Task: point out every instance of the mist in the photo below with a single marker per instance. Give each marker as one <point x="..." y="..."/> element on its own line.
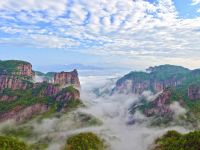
<point x="113" y="110"/>
<point x="116" y="125"/>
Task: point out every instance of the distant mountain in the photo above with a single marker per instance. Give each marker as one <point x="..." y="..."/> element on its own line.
<point x="84" y="70"/>
<point x="82" y="67"/>
<point x="67" y="67"/>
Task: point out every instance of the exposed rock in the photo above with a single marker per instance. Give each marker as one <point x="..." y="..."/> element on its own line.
<point x="160" y="106"/>
<point x="19" y="113"/>
<point x="13" y="83"/>
<point x="194" y="92"/>
<point x="7" y="98"/>
<point x="58" y="93"/>
<point x="25" y="70"/>
<point x="18" y="75"/>
<point x="66" y="96"/>
<point x="138" y="87"/>
<point x="16" y="67"/>
<point x="65" y="79"/>
<point x="154" y="79"/>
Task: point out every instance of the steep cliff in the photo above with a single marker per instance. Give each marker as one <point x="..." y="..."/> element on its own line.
<point x="178" y="87"/>
<point x="17" y="68"/>
<point x="64" y="79"/>
<point x="160" y="106"/>
<point x="194" y="92"/>
<point x="155" y="79"/>
<point x="13" y="82"/>
<point x="21" y="98"/>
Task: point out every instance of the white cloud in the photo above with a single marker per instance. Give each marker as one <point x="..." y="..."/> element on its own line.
<point x="195" y="2"/>
<point x="122" y="27"/>
<point x="178" y="109"/>
<point x="52" y="7"/>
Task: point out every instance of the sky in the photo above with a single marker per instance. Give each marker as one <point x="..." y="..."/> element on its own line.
<point x="132" y="34"/>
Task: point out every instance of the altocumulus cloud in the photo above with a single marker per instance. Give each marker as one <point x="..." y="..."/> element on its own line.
<point x="133" y="29"/>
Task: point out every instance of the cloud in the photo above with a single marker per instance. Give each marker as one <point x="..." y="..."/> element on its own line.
<point x="178" y="110"/>
<point x="195" y="2"/>
<point x="123" y="28"/>
<point x="113" y="111"/>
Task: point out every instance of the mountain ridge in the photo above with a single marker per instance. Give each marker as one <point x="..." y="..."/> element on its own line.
<point x="21" y="97"/>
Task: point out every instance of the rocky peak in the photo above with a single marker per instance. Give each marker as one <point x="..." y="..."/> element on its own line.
<point x="16" y="67"/>
<point x="155" y="79"/>
<point x="17" y="86"/>
<point x="65" y="79"/>
<point x="25" y="70"/>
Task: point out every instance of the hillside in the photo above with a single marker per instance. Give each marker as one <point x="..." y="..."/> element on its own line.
<point x="176" y="85"/>
<point x="21" y="98"/>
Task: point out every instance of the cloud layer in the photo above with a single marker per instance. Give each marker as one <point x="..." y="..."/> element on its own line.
<point x="130" y="28"/>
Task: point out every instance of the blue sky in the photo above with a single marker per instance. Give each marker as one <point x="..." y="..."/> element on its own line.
<point x="109" y="33"/>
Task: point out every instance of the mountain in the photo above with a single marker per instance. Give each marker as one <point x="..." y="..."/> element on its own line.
<point x="175" y="85"/>
<point x="21" y="97"/>
<point x="155" y="79"/>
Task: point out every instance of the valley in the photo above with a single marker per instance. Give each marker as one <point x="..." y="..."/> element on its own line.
<point x="45" y="110"/>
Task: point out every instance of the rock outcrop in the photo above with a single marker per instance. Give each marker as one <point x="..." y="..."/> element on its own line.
<point x="21" y="113"/>
<point x="156" y="79"/>
<point x="194" y="92"/>
<point x="13" y="82"/>
<point x="138" y="87"/>
<point x="17" y="86"/>
<point x="25" y="70"/>
<point x="64" y="79"/>
<point x="17" y="68"/>
<point x="160" y="106"/>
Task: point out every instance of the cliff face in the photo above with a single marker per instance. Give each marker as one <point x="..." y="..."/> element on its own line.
<point x="138" y="87"/>
<point x="155" y="79"/>
<point x="160" y="106"/>
<point x="25" y="70"/>
<point x="16" y="67"/>
<point x="20" y="113"/>
<point x="13" y="83"/>
<point x="67" y="78"/>
<point x="20" y="98"/>
<point x="194" y="92"/>
<point x="14" y="73"/>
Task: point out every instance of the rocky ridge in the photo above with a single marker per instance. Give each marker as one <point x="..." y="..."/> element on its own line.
<point x="21" y="98"/>
<point x="178" y="87"/>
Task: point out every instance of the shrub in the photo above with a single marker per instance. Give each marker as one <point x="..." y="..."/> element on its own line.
<point x="9" y="143"/>
<point x="173" y="140"/>
<point x="84" y="141"/>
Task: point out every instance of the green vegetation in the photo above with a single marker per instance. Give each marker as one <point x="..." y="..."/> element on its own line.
<point x="84" y="141"/>
<point x="73" y="104"/>
<point x="50" y="74"/>
<point x="9" y="143"/>
<point x="87" y="119"/>
<point x="173" y="140"/>
<point x="134" y="75"/>
<point x="164" y="72"/>
<point x="32" y="96"/>
<point x="70" y="89"/>
<point x="42" y="144"/>
<point x="25" y="98"/>
<point x="18" y="132"/>
<point x="10" y="66"/>
<point x="179" y="93"/>
<point x="159" y="73"/>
